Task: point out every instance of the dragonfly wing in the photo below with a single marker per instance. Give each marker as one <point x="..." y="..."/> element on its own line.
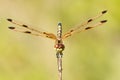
<point x="30" y="30"/>
<point x="84" y="26"/>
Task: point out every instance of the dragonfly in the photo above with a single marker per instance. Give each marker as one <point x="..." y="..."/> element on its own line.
<point x="59" y="46"/>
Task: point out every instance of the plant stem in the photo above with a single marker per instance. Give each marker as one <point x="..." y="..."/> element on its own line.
<point x="59" y="63"/>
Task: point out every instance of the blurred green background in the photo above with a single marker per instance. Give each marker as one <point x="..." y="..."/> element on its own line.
<point x="89" y="55"/>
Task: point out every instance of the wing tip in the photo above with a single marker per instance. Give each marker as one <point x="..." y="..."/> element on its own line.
<point x="105" y="11"/>
<point x="10" y="20"/>
<point x="11" y="27"/>
<point x="103" y="21"/>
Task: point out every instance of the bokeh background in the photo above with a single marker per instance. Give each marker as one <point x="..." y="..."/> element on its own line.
<point x="89" y="55"/>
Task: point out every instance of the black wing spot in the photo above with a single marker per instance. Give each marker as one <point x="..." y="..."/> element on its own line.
<point x="24" y="25"/>
<point x="88" y="28"/>
<point x="11" y="27"/>
<point x="27" y="32"/>
<point x="90" y="20"/>
<point x="10" y="20"/>
<point x="45" y="33"/>
<point x="71" y="30"/>
<point x="48" y="36"/>
<point x="103" y="12"/>
<point x="103" y="21"/>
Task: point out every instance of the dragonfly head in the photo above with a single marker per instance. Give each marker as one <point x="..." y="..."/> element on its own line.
<point x="59" y="47"/>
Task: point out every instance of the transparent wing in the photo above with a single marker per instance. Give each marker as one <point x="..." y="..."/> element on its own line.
<point x="84" y="26"/>
<point x="30" y="30"/>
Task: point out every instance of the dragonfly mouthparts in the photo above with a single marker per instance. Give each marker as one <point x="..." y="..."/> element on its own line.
<point x="59" y="24"/>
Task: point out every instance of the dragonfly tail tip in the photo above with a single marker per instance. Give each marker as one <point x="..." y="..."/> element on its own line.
<point x="59" y="24"/>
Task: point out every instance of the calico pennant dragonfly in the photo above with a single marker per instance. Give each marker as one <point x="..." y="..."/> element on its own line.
<point x="59" y="38"/>
<point x="59" y="46"/>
